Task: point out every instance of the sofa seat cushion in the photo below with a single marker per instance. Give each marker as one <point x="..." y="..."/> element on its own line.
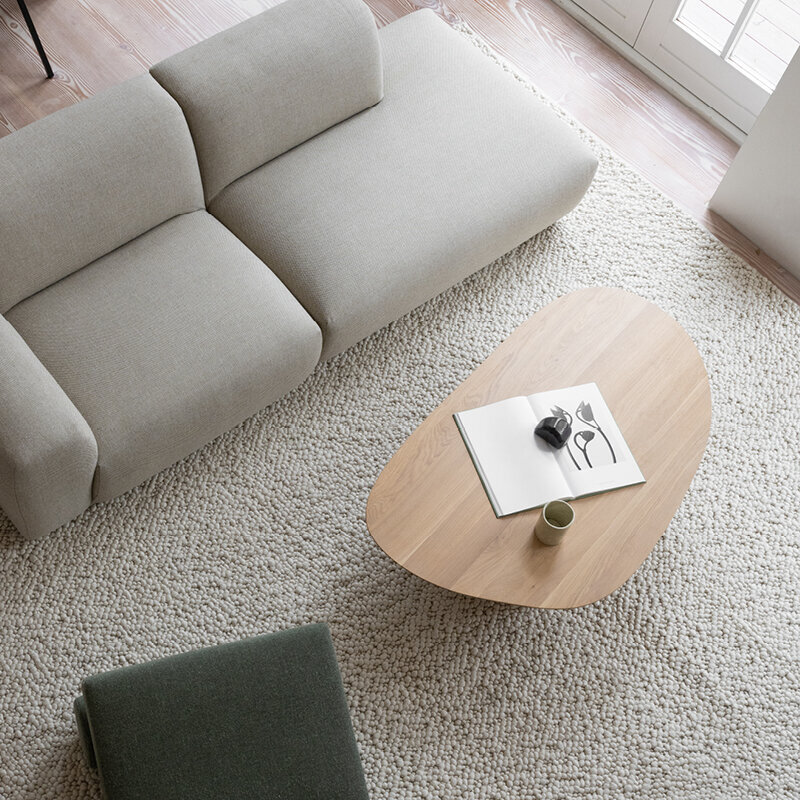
<point x="80" y="183"/>
<point x="457" y="165"/>
<point x="167" y="342"/>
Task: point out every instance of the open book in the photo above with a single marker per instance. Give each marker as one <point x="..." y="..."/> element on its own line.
<point x="520" y="471"/>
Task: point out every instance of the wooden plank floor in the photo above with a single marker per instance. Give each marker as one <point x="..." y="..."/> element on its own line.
<point x="94" y="44"/>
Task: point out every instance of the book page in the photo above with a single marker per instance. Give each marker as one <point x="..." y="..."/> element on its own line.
<point x="596" y="458"/>
<point x="518" y="470"/>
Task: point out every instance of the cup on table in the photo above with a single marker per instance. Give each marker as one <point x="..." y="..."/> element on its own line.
<point x="556" y="518"/>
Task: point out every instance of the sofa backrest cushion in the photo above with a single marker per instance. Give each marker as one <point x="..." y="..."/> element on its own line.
<point x="86" y="180"/>
<point x="258" y="89"/>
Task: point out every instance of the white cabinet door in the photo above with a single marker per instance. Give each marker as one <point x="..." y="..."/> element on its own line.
<point x="730" y="53"/>
<point x="624" y="17"/>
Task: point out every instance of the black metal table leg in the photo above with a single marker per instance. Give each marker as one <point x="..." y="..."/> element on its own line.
<point x="35" y="36"/>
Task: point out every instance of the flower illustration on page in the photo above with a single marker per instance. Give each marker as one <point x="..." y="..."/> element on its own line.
<point x="585" y="414"/>
<point x="582" y="438"/>
<point x="557" y="411"/>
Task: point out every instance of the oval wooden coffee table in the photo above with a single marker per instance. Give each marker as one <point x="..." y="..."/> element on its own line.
<point x="429" y="512"/>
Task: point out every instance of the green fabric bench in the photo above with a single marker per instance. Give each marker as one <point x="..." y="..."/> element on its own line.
<point x="265" y="717"/>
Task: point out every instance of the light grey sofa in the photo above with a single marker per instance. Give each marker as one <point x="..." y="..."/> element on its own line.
<point x="181" y="250"/>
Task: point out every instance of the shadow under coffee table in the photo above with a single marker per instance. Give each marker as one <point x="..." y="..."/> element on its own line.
<point x="429" y="512"/>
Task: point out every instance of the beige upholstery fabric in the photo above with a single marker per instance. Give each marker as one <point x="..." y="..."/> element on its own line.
<point x="457" y="165"/>
<point x="167" y="342"/>
<point x="254" y="91"/>
<point x="89" y="178"/>
<point x="47" y="452"/>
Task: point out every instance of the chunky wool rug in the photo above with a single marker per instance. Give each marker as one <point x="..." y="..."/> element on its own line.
<point x="682" y="684"/>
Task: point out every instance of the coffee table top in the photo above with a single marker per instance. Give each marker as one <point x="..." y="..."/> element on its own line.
<point x="429" y="512"/>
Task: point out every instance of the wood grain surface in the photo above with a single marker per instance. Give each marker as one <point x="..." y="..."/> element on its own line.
<point x="96" y="44"/>
<point x="429" y="512"/>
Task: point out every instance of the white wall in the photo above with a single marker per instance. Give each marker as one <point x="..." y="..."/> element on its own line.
<point x="760" y="193"/>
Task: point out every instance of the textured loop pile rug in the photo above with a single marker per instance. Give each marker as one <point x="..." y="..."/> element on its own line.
<point x="682" y="684"/>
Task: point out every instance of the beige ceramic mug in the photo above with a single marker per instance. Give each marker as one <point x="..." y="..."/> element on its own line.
<point x="557" y="516"/>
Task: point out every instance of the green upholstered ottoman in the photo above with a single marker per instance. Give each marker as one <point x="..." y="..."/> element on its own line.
<point x="260" y="718"/>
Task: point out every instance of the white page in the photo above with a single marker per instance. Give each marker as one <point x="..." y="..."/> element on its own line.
<point x="518" y="469"/>
<point x="605" y="462"/>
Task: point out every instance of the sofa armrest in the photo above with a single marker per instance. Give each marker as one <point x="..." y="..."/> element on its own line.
<point x="48" y="454"/>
